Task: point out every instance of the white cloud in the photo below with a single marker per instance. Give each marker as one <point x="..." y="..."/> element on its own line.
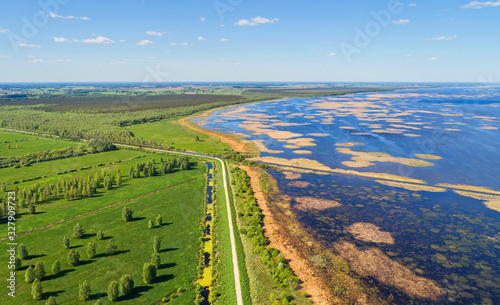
<point x="255" y="21"/>
<point x="153" y="33"/>
<point x="442" y="38"/>
<point x="412" y="4"/>
<point x="4" y="56"/>
<point x="151" y="57"/>
<point x="224" y="39"/>
<point x="332" y="54"/>
<point x="52" y="15"/>
<point x="118" y="63"/>
<point x="203" y="19"/>
<point x="4" y="31"/>
<point x="180" y="44"/>
<point x="99" y="39"/>
<point x="144" y="42"/>
<point x="60" y="39"/>
<point x="201" y="38"/>
<point x="432" y="59"/>
<point x="27" y="45"/>
<point x="48" y="61"/>
<point x="401" y="21"/>
<point x="479" y="4"/>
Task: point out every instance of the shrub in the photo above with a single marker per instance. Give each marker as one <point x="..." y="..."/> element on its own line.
<point x="40" y="270"/>
<point x="148" y="273"/>
<point x="126" y="284"/>
<point x="156" y="244"/>
<point x="99" y="235"/>
<point x="36" y="290"/>
<point x="51" y="301"/>
<point x="156" y="260"/>
<point x="113" y="291"/>
<point x="29" y="276"/>
<point x="66" y="242"/>
<point x="151" y="224"/>
<point x="110" y="248"/>
<point x="158" y="220"/>
<point x="85" y="291"/>
<point x="56" y="268"/>
<point x="22" y="252"/>
<point x="91" y="249"/>
<point x="78" y="231"/>
<point x="74" y="258"/>
<point x="127" y="214"/>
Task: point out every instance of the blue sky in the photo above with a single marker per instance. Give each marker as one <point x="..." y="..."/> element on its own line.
<point x="249" y="40"/>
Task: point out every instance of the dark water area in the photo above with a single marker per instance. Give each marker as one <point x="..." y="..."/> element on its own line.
<point x="451" y="239"/>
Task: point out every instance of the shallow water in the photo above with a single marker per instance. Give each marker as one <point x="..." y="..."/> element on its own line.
<point x="450" y="239"/>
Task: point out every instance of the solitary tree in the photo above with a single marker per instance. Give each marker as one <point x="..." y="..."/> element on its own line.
<point x="148" y="273"/>
<point x="22" y="252"/>
<point x="40" y="270"/>
<point x="118" y="178"/>
<point x="29" y="276"/>
<point x="110" y="248"/>
<point x="151" y="225"/>
<point x="66" y="242"/>
<point x="36" y="290"/>
<point x="113" y="291"/>
<point x="156" y="260"/>
<point x="126" y="284"/>
<point x="99" y="235"/>
<point x="126" y="214"/>
<point x="156" y="244"/>
<point x="56" y="268"/>
<point x="74" y="258"/>
<point x="91" y="249"/>
<point x="85" y="291"/>
<point x="78" y="231"/>
<point x="158" y="220"/>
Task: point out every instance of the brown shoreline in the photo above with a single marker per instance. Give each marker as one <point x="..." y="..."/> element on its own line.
<point x="301" y="266"/>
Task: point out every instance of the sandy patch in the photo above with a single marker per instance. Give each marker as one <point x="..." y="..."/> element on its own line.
<point x="374" y="263"/>
<point x="275" y="134"/>
<point x="315" y="165"/>
<point x="490" y="201"/>
<point x="318" y="134"/>
<point x="349" y="144"/>
<point x="411" y="135"/>
<point x="292" y="175"/>
<point x="370" y="233"/>
<point x="311" y="203"/>
<point x="412" y="187"/>
<point x="302" y="152"/>
<point x="365" y="159"/>
<point x="288" y="124"/>
<point x="291" y="146"/>
<point x="428" y="157"/>
<point x="465" y="187"/>
<point x="302" y="142"/>
<point x="300" y="184"/>
<point x="261" y="147"/>
<point x="452" y="129"/>
<point x="234" y="111"/>
<point x="489" y="127"/>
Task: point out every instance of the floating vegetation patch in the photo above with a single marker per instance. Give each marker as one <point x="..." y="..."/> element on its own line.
<point x="370" y="233"/>
<point x="374" y="263"/>
<point x="465" y="187"/>
<point x="299" y="184"/>
<point x="491" y="201"/>
<point x="428" y="157"/>
<point x="349" y="144"/>
<point x="311" y="203"/>
<point x="302" y="142"/>
<point x="412" y="187"/>
<point x="291" y="175"/>
<point x="302" y="152"/>
<point x="365" y="159"/>
<point x="318" y="134"/>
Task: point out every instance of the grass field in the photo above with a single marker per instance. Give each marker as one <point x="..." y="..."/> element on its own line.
<point x="55" y="210"/>
<point x="21" y="144"/>
<point x="181" y="208"/>
<point x="172" y="133"/>
<point x="40" y="169"/>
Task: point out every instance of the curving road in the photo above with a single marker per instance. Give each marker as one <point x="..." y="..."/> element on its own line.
<point x="236" y="271"/>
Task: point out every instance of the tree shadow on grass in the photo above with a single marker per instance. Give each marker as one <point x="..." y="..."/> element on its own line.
<point x="106" y="254"/>
<point x="36" y="256"/>
<point x="136" y="219"/>
<point x="86" y="262"/>
<point x="86" y="235"/>
<point x="168" y="250"/>
<point x="107" y="237"/>
<point x="60" y="274"/>
<point x="168" y="265"/>
<point x="136" y="292"/>
<point x="74" y="247"/>
<point x="164" y="278"/>
<point x="54" y="294"/>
